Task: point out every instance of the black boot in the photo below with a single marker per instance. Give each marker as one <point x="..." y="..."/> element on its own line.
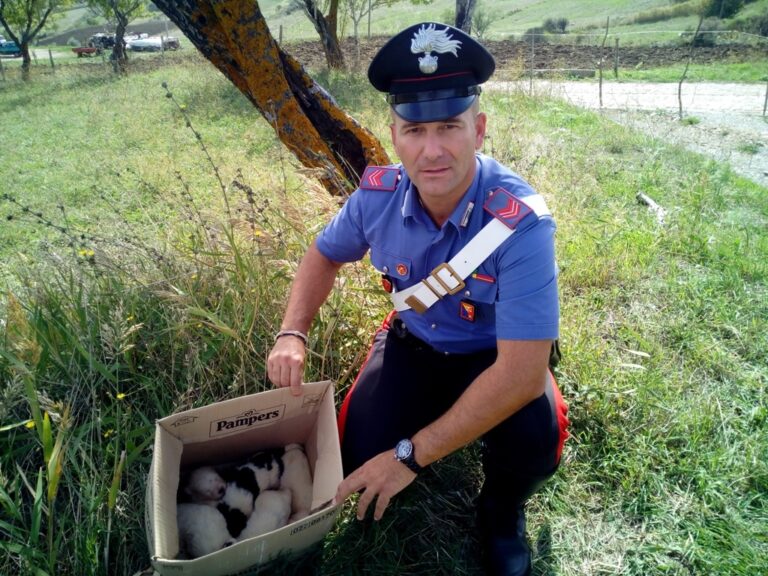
<point x="502" y="536"/>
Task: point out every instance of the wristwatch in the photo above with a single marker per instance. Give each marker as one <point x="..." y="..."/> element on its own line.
<point x="404" y="453"/>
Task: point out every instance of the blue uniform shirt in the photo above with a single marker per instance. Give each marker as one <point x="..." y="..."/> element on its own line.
<point x="513" y="294"/>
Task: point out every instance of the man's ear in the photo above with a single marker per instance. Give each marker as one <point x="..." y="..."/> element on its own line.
<point x="392" y="132"/>
<point x="480" y="121"/>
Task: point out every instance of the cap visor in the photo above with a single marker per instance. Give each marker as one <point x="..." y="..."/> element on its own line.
<point x="433" y="110"/>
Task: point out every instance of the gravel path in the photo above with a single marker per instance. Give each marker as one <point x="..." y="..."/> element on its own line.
<point x="730" y="127"/>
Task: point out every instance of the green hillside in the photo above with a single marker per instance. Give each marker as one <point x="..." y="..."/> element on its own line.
<point x="508" y="18"/>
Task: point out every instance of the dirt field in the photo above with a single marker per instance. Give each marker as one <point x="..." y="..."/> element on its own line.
<point x="512" y="55"/>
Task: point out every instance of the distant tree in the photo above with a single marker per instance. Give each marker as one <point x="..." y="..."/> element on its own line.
<point x="359" y="9"/>
<point x="120" y="13"/>
<point x="721" y="8"/>
<point x="465" y="9"/>
<point x="556" y="25"/>
<point x="481" y="21"/>
<point x="23" y="20"/>
<point x="326" y="26"/>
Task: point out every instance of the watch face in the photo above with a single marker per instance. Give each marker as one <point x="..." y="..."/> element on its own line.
<point x="403" y="449"/>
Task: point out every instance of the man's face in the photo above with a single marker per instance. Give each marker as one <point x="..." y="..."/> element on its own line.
<point x="439" y="157"/>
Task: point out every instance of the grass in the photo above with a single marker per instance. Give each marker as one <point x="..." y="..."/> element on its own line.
<point x="752" y="71"/>
<point x="131" y="291"/>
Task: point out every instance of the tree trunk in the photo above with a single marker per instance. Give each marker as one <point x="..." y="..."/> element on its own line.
<point x="327" y="32"/>
<point x="26" y="60"/>
<point x="465" y="9"/>
<point x="333" y="19"/>
<point x="234" y="36"/>
<point x="119" y="56"/>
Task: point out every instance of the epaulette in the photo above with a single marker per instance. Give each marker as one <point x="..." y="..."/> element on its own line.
<point x="382" y="178"/>
<point x="510" y="209"/>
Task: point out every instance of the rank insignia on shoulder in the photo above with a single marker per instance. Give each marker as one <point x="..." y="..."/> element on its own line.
<point x="380" y="178"/>
<point x="506" y="207"/>
<point x="467" y="311"/>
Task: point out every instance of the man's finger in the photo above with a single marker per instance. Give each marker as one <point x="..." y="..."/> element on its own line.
<point x="362" y="504"/>
<point x="381" y="504"/>
<point x="294" y="379"/>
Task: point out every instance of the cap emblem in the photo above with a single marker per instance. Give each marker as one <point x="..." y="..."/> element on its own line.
<point x="428" y="40"/>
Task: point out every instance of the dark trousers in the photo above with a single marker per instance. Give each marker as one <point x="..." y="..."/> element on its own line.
<point x="405" y="385"/>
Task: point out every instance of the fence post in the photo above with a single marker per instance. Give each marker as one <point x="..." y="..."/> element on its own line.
<point x="2" y="70"/>
<point x="50" y="57"/>
<point x="600" y="63"/>
<point x="533" y="55"/>
<point x="765" y="104"/>
<point x="616" y="59"/>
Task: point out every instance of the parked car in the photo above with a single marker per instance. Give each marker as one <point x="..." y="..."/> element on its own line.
<point x="154" y="44"/>
<point x="10" y="49"/>
<point x="102" y="41"/>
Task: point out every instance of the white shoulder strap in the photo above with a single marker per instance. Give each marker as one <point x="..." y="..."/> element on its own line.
<point x="448" y="278"/>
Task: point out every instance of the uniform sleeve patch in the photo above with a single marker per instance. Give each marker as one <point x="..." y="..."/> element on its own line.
<point x="507" y="207"/>
<point x="380" y="178"/>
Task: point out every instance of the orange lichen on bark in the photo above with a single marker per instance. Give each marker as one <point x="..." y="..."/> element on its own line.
<point x="248" y="36"/>
<point x="371" y="147"/>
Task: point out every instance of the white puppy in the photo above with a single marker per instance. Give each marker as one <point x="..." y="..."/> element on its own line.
<point x="202" y="529"/>
<point x="205" y="486"/>
<point x="270" y="512"/>
<point x="298" y="479"/>
<point x="238" y="498"/>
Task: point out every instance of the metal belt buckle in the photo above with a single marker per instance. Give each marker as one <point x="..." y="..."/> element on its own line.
<point x="454" y="276"/>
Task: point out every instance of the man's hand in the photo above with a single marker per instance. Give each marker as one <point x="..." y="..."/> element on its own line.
<point x="381" y="477"/>
<point x="285" y="365"/>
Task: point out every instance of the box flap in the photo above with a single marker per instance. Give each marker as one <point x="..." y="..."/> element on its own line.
<point x="164" y="529"/>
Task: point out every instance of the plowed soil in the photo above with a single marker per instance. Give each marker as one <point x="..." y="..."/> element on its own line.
<point x="517" y="54"/>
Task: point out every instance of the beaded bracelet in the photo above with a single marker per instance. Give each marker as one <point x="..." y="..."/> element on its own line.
<point x="296" y="333"/>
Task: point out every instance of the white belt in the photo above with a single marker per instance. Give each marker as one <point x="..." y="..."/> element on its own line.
<point x="448" y="278"/>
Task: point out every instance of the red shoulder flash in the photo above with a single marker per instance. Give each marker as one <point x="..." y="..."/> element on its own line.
<point x="380" y="178"/>
<point x="506" y="207"/>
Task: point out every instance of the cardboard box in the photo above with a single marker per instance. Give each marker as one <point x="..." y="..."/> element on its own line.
<point x="230" y="431"/>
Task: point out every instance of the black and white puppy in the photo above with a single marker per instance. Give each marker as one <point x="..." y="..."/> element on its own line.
<point x="236" y="506"/>
<point x="244" y="483"/>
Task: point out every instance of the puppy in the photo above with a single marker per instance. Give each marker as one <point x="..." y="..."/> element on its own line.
<point x="298" y="479"/>
<point x="267" y="466"/>
<point x="261" y="471"/>
<point x="236" y="506"/>
<point x="204" y="485"/>
<point x="270" y="512"/>
<point x="202" y="529"/>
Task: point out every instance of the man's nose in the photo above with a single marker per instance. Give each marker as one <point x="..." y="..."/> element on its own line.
<point x="433" y="147"/>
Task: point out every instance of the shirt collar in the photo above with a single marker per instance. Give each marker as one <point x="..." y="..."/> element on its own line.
<point x="412" y="207"/>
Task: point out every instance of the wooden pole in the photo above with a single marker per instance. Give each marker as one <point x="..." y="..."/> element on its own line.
<point x="765" y="104"/>
<point x="533" y="55"/>
<point x="685" y="71"/>
<point x="616" y="59"/>
<point x="2" y="71"/>
<point x="50" y="57"/>
<point x="600" y="63"/>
